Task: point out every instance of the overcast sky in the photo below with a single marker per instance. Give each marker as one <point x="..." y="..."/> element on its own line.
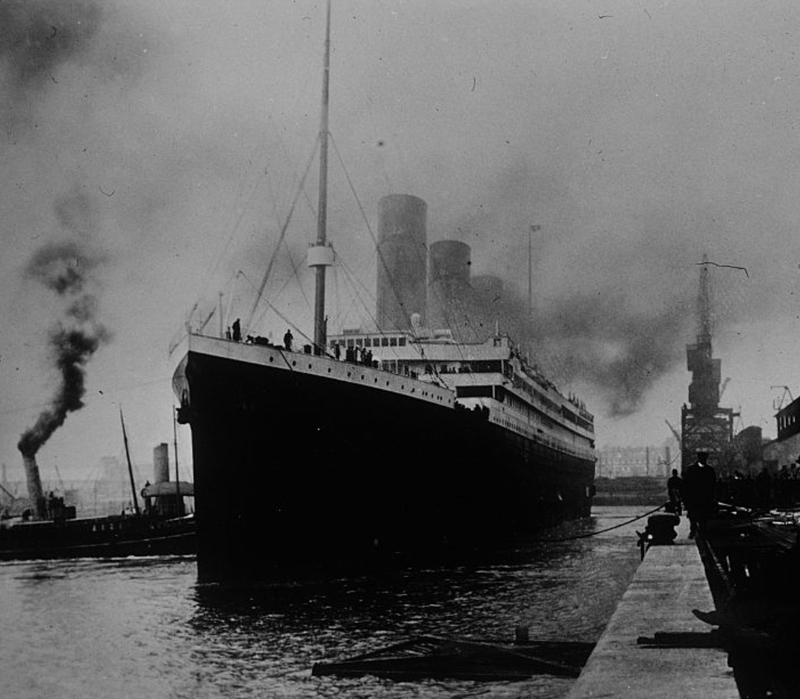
<point x="159" y="144"/>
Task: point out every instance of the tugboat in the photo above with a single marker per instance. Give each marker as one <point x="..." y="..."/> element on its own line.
<point x="49" y="529"/>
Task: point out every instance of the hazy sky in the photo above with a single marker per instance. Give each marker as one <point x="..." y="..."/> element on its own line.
<point x="150" y="151"/>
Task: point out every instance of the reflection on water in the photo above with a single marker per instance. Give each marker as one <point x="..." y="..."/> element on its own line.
<point x="144" y="626"/>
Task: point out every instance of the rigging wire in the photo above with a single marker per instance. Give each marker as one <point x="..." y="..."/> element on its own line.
<point x="281" y="237"/>
<point x="279" y="314"/>
<point x="295" y="275"/>
<point x="218" y="258"/>
<point x="369" y="229"/>
<point x="600" y="531"/>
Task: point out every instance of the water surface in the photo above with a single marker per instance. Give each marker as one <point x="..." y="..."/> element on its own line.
<point x="144" y="627"/>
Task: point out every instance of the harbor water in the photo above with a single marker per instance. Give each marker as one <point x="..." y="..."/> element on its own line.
<point x="144" y="627"/>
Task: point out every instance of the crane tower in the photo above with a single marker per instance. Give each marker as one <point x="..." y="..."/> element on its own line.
<point x="704" y="425"/>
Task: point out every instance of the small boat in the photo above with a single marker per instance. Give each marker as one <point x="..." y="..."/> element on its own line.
<point x="98" y="537"/>
<point x="434" y="657"/>
<point x="162" y="528"/>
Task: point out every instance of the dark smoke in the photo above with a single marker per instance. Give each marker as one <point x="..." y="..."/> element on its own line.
<point x="591" y="339"/>
<point x="38" y="35"/>
<point x="622" y="355"/>
<point x="67" y="269"/>
<point x="61" y="267"/>
<point x="611" y="309"/>
<point x="72" y="348"/>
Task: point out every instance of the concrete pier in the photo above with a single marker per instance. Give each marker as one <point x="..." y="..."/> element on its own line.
<point x="668" y="584"/>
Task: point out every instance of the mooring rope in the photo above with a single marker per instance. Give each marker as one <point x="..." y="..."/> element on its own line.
<point x="601" y="531"/>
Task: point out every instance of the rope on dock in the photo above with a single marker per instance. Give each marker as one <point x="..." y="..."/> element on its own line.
<point x="601" y="531"/>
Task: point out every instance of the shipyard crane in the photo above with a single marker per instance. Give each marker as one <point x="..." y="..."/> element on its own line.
<point x="704" y="424"/>
<point x="675" y="432"/>
<point x="777" y="403"/>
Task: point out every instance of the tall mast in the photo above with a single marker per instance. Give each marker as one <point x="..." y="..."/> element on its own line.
<point x="130" y="467"/>
<point x="177" y="472"/>
<point x="533" y="229"/>
<point x="321" y="255"/>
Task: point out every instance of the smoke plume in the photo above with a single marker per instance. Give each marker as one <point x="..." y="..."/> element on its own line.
<point x="598" y="338"/>
<point x="36" y="37"/>
<point x="67" y="269"/>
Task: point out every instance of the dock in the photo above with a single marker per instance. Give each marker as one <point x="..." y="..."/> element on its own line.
<point x="653" y="646"/>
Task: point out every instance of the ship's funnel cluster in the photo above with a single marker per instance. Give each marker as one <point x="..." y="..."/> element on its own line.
<point x="435" y="290"/>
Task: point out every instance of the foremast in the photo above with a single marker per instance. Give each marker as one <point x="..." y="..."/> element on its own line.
<point x="320" y="255"/>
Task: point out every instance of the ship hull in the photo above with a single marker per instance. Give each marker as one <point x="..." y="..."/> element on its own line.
<point x="299" y="468"/>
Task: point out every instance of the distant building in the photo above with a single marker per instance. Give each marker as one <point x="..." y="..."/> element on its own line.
<point x="785" y="450"/>
<point x="633" y="462"/>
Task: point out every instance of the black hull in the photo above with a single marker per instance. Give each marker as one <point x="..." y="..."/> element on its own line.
<point x="298" y="468"/>
<point x="101" y="537"/>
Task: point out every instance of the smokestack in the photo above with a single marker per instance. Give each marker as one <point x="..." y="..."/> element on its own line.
<point x="450" y="263"/>
<point x="161" y="463"/>
<point x="35" y="492"/>
<point x="402" y="261"/>
<point x="488" y="287"/>
<point x="453" y="303"/>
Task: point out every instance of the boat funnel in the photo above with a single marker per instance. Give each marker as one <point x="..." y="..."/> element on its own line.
<point x="488" y="287"/>
<point x="450" y="262"/>
<point x="402" y="261"/>
<point x="35" y="492"/>
<point x="161" y="463"/>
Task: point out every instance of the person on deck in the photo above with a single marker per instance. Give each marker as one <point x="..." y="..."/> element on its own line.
<point x="287" y="340"/>
<point x="699" y="494"/>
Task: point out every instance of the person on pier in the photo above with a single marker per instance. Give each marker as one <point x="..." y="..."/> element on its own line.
<point x="675" y="490"/>
<point x="699" y="494"/>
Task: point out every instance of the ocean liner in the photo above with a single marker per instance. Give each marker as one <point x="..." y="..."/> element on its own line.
<point x="402" y="438"/>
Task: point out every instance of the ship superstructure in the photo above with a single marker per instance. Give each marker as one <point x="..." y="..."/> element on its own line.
<point x="492" y="376"/>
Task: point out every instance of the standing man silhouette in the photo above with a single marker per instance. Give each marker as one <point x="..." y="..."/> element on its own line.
<point x="675" y="490"/>
<point x="699" y="494"/>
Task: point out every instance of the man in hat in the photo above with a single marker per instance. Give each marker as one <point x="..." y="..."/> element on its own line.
<point x="699" y="494"/>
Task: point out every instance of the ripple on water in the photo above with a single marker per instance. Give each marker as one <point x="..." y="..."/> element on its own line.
<point x="86" y="628"/>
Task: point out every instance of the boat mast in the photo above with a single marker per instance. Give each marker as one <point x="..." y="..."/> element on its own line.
<point x="533" y="229"/>
<point x="130" y="468"/>
<point x="320" y="255"/>
<point x="178" y="498"/>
